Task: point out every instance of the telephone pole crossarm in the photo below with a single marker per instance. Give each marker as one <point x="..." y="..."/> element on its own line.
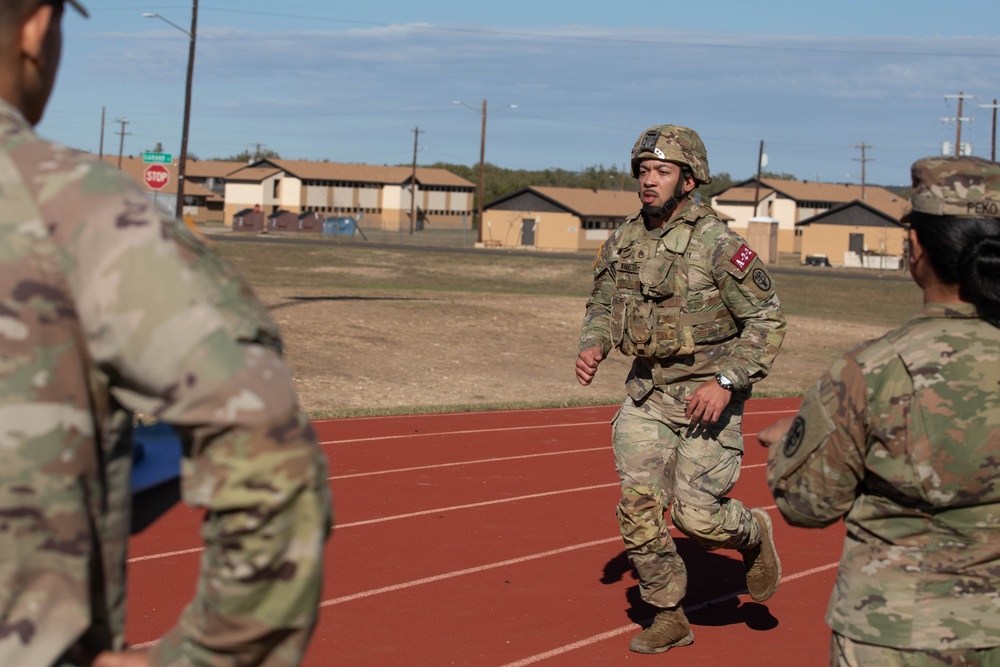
<point x="958" y="119"/>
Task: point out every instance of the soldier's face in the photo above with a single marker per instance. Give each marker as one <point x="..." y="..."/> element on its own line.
<point x="658" y="182"/>
<point x="41" y="50"/>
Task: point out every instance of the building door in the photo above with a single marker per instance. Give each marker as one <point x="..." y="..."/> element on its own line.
<point x="856" y="244"/>
<point x="528" y="231"/>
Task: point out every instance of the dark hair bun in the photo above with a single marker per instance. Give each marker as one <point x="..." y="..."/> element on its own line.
<point x="980" y="275"/>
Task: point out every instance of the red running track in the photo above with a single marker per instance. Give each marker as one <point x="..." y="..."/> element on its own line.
<point x="490" y="539"/>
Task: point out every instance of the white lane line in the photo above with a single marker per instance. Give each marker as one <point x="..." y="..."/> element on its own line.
<point x="167" y="554"/>
<point x="434" y="434"/>
<point x="562" y="650"/>
<point x="482" y="568"/>
<point x="603" y="422"/>
<point x="487" y="503"/>
<point x="471" y="570"/>
<point x="396" y="517"/>
<point x="466" y="463"/>
<point x="453" y="508"/>
<point x="632" y="627"/>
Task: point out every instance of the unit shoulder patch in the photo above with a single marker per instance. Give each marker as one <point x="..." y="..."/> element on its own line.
<point x="742" y="258"/>
<point x="793" y="439"/>
<point x="761" y="279"/>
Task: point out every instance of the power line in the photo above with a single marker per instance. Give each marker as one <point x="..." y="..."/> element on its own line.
<point x="590" y="38"/>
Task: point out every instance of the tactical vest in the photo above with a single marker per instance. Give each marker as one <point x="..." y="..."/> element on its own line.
<point x="651" y="312"/>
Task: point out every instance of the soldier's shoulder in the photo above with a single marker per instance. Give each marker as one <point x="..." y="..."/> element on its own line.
<point x="715" y="231"/>
<point x="52" y="170"/>
<point x="874" y="355"/>
<point x="630" y="229"/>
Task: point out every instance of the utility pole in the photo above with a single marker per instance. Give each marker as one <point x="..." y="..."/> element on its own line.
<point x="863" y="146"/>
<point x="413" y="182"/>
<point x="756" y="192"/>
<point x="993" y="143"/>
<point x="100" y="152"/>
<point x="958" y="120"/>
<point x="482" y="172"/>
<point x="482" y="160"/>
<point x="182" y="162"/>
<point x="121" y="143"/>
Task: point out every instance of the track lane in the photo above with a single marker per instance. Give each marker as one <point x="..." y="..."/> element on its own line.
<point x="441" y="574"/>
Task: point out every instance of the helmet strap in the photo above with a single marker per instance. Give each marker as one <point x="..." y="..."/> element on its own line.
<point x="667" y="209"/>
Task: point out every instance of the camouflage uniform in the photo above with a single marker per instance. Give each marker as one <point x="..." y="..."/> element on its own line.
<point x="688" y="300"/>
<point x="900" y="438"/>
<point x="107" y="307"/>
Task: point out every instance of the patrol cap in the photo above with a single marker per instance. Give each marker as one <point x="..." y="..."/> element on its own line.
<point x="78" y="7"/>
<point x="672" y="143"/>
<point x="959" y="186"/>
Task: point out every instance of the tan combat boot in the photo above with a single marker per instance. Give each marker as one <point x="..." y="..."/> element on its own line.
<point x="761" y="562"/>
<point x="669" y="629"/>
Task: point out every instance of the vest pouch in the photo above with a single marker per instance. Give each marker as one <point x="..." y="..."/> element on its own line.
<point x="617" y="324"/>
<point x="640" y="320"/>
<point x="667" y="335"/>
<point x="656" y="277"/>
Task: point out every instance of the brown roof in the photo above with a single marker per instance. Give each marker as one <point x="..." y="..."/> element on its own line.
<point x="357" y="173"/>
<point x="211" y="168"/>
<point x="742" y="194"/>
<point x="810" y="191"/>
<point x="585" y="201"/>
<point x="253" y="174"/>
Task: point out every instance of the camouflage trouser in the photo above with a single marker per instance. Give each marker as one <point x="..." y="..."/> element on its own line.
<point x="846" y="652"/>
<point x="663" y="462"/>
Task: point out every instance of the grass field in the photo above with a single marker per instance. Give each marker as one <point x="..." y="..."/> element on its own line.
<point x="863" y="297"/>
<point x="375" y="329"/>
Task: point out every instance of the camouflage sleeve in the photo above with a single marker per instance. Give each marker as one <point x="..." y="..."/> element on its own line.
<point x="596" y="330"/>
<point x="181" y="338"/>
<point x="815" y="473"/>
<point x="747" y="289"/>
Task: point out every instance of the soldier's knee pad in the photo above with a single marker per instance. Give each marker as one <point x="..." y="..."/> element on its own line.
<point x="640" y="515"/>
<point x="699" y="523"/>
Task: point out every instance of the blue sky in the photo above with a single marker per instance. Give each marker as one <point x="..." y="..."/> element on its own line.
<point x="349" y="82"/>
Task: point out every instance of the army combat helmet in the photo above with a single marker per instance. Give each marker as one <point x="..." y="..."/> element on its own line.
<point x="672" y="143"/>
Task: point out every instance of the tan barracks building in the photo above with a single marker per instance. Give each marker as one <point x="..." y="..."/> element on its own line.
<point x="380" y="196"/>
<point x="854" y="235"/>
<point x="792" y="202"/>
<point x="545" y="218"/>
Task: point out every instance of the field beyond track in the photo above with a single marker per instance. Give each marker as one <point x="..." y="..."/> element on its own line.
<point x="380" y="329"/>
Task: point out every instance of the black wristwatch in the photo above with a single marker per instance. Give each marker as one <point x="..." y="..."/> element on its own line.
<point x="724" y="382"/>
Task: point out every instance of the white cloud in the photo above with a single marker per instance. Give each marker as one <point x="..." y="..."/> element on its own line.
<point x="583" y="92"/>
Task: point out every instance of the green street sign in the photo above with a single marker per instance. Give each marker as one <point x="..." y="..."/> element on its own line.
<point x="162" y="158"/>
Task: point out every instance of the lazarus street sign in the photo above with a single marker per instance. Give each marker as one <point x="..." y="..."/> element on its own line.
<point x="162" y="158"/>
<point x="156" y="176"/>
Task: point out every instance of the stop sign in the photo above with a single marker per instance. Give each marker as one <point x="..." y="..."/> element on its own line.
<point x="156" y="176"/>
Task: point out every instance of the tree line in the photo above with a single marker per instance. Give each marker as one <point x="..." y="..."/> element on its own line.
<point x="498" y="182"/>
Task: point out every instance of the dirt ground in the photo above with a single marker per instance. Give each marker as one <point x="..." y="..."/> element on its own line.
<point x="422" y="350"/>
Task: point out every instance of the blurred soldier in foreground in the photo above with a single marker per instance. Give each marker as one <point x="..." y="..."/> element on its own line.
<point x="901" y="438"/>
<point x="675" y="288"/>
<point x="106" y="308"/>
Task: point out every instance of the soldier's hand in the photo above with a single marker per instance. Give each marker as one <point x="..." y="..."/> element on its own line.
<point x="586" y="364"/>
<point x="131" y="658"/>
<point x="775" y="433"/>
<point x="707" y="403"/>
